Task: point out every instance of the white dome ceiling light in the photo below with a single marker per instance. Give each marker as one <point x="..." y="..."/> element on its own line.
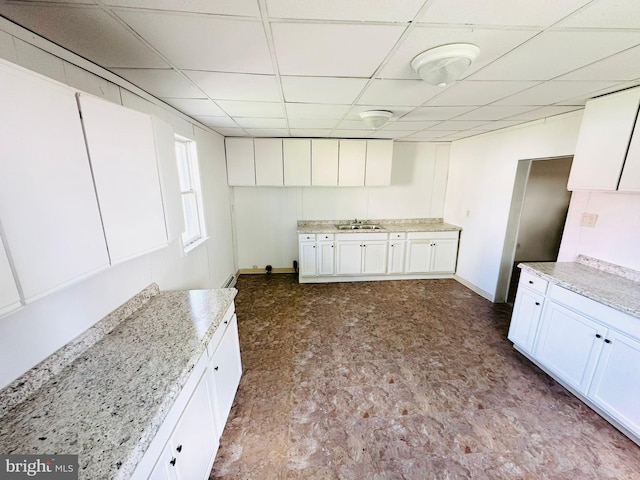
<point x="375" y="118"/>
<point x="441" y="66"/>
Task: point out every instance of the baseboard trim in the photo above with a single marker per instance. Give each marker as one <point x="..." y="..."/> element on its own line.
<point x="262" y="271"/>
<point x="473" y="287"/>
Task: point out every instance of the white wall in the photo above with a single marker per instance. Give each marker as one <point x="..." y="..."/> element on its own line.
<point x="39" y="329"/>
<point x="265" y="218"/>
<point x="481" y="177"/>
<point x="616" y="235"/>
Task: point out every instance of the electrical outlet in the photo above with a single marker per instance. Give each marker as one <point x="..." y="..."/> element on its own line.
<point x="588" y="220"/>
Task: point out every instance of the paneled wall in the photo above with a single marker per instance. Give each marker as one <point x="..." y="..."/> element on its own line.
<point x="265" y="218"/>
<point x="31" y="334"/>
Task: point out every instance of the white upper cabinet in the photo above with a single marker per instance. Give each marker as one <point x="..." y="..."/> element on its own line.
<point x="240" y="162"/>
<point x="169" y="181"/>
<point x="268" y="161"/>
<point x="630" y="178"/>
<point x="121" y="149"/>
<point x="603" y="141"/>
<point x="9" y="296"/>
<point x="324" y="162"/>
<point x="378" y="166"/>
<point x="352" y="160"/>
<point x="48" y="207"/>
<point x="297" y="161"/>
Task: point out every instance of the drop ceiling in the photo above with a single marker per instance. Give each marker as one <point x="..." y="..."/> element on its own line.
<point x="307" y="68"/>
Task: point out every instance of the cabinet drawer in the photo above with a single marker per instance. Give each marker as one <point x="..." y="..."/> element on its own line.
<point x="397" y="236"/>
<point x="325" y="236"/>
<point x="432" y="235"/>
<point x="533" y="282"/>
<point x="304" y="237"/>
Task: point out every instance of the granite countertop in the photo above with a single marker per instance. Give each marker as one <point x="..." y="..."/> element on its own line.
<point x="607" y="288"/>
<point x="107" y="405"/>
<point x="388" y="225"/>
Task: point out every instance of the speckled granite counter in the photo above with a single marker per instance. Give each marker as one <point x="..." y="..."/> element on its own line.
<point x="597" y="284"/>
<point x="388" y="225"/>
<point x="107" y="405"/>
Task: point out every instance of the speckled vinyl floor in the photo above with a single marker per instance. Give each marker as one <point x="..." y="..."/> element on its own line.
<point x="400" y="380"/>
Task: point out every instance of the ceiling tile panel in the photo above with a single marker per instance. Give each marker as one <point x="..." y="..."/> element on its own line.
<point x="493" y="113"/>
<point x="606" y="14"/>
<point x="493" y="43"/>
<point x="160" y="83"/>
<point x="231" y="132"/>
<point x="312" y="123"/>
<point x="237" y="86"/>
<point x="204" y="42"/>
<point x="247" y="122"/>
<point x="268" y="132"/>
<point x="555" y="53"/>
<point x="354" y="10"/>
<point x="458" y="125"/>
<point x="541" y="13"/>
<point x="397" y="110"/>
<point x="622" y="66"/>
<point x="246" y="8"/>
<point x="332" y="50"/>
<point x="436" y="113"/>
<point x="89" y="32"/>
<point x="322" y="89"/>
<point x="582" y="99"/>
<point x="306" y="132"/>
<point x="400" y="125"/>
<point x="252" y="109"/>
<point x="478" y="92"/>
<point x="398" y="92"/>
<point x="544" y="112"/>
<point x="394" y="134"/>
<point x="344" y="133"/>
<point x="315" y="110"/>
<point x="353" y="125"/>
<point x="216" y="121"/>
<point x="553" y="91"/>
<point x="195" y="106"/>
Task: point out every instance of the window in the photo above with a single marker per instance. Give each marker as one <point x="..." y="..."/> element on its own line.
<point x="190" y="188"/>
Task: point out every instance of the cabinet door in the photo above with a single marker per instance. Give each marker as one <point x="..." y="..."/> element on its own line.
<point x="169" y="181"/>
<point x="123" y="160"/>
<point x="374" y="257"/>
<point x="324" y="162"/>
<point x="616" y="382"/>
<point x="396" y="257"/>
<point x="418" y="256"/>
<point x="603" y="140"/>
<point x="326" y="258"/>
<point x="443" y="256"/>
<point x="240" y="162"/>
<point x="378" y="166"/>
<point x="525" y="319"/>
<point x="630" y="179"/>
<point x="569" y="345"/>
<point x="9" y="297"/>
<point x="226" y="369"/>
<point x="297" y="161"/>
<point x="194" y="441"/>
<point x="308" y="259"/>
<point x="48" y="205"/>
<point x="351" y="164"/>
<point x="165" y="468"/>
<point x="268" y="161"/>
<point x="348" y="257"/>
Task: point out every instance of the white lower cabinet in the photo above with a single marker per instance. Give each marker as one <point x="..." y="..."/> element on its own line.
<point x="590" y="348"/>
<point x="186" y="443"/>
<point x="326" y="257"/>
<point x="396" y="256"/>
<point x="361" y="254"/>
<point x="191" y="449"/>
<point x="225" y="367"/>
<point x="431" y="252"/>
<point x="308" y="259"/>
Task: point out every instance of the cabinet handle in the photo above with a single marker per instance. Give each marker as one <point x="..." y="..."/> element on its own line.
<point x="179" y="448"/>
<point x="314" y="246"/>
<point x="215" y="368"/>
<point x="332" y="245"/>
<point x="531" y="282"/>
<point x="606" y="340"/>
<point x="598" y="335"/>
<point x="173" y="462"/>
<point x="538" y="303"/>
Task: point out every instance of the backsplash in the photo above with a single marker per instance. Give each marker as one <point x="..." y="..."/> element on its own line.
<point x="623" y="272"/>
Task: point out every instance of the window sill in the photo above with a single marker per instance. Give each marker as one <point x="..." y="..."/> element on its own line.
<point x="192" y="246"/>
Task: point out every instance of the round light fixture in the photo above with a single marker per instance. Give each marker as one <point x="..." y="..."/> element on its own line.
<point x="375" y="118"/>
<point x="444" y="65"/>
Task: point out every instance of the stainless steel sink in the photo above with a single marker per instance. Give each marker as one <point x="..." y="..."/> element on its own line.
<point x="359" y="226"/>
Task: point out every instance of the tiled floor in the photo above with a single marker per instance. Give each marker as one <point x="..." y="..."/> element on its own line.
<point x="400" y="380"/>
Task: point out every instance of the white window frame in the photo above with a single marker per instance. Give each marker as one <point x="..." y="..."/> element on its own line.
<point x="190" y="192"/>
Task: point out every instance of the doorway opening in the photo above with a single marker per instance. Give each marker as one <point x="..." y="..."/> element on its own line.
<point x="538" y="212"/>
